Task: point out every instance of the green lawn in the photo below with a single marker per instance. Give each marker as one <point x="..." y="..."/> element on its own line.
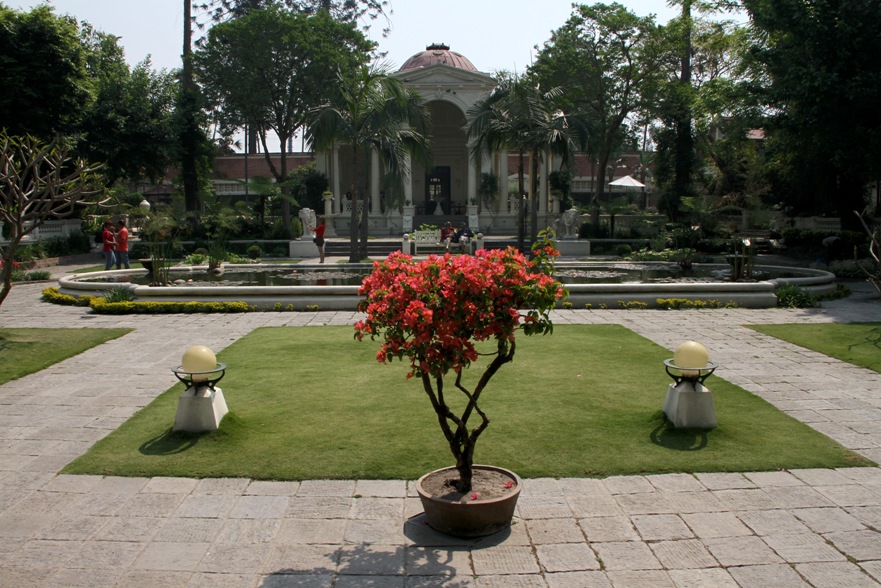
<point x="310" y="402"/>
<point x="856" y="343"/>
<point x="25" y="351"/>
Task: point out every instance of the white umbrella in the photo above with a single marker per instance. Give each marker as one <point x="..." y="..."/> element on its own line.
<point x="627" y="182"/>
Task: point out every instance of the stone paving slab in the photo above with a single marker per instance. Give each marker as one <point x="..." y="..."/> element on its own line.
<point x="812" y="527"/>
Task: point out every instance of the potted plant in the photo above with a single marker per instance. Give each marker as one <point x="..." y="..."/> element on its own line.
<point x="442" y="314"/>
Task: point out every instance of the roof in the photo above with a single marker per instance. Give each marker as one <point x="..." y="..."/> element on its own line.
<point x="438" y="54"/>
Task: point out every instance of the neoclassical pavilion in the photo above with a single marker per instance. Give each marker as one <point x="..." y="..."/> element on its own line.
<point x="450" y="84"/>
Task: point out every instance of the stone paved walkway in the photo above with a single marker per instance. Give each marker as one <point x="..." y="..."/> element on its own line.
<point x="816" y="527"/>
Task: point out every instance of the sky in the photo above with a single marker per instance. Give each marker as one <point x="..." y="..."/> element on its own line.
<point x="493" y="34"/>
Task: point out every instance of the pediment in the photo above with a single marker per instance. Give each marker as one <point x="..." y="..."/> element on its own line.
<point x="444" y="75"/>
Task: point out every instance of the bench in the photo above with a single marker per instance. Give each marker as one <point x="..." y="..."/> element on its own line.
<point x="430" y="242"/>
<point x="427" y="240"/>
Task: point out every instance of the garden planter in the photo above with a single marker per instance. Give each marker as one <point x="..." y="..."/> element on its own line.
<point x="487" y="509"/>
<point x="147" y="263"/>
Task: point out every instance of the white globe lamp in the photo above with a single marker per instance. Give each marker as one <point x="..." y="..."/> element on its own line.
<point x="197" y="360"/>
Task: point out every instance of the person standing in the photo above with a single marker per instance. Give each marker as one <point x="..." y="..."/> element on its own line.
<point x="319" y="238"/>
<point x="121" y="249"/>
<point x="109" y="243"/>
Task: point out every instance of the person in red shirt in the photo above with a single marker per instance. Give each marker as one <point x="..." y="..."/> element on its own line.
<point x="446" y="234"/>
<point x="108" y="239"/>
<point x="319" y="238"/>
<point x="121" y="249"/>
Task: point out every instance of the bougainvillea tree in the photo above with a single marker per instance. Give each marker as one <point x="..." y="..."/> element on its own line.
<point x="435" y="312"/>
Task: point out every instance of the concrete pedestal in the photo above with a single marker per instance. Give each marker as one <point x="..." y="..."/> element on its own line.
<point x="200" y="409"/>
<point x="690" y="406"/>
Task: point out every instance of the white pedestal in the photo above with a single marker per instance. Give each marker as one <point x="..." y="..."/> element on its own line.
<point x="200" y="409"/>
<point x="690" y="406"/>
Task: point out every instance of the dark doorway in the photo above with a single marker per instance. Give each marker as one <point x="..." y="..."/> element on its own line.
<point x="437" y="191"/>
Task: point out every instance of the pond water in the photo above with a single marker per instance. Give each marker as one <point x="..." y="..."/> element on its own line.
<point x="612" y="273"/>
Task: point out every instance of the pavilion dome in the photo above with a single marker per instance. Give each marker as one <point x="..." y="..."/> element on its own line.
<point x="438" y="54"/>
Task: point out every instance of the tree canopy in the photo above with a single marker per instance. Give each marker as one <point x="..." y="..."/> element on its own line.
<point x="520" y="116"/>
<point x="823" y="65"/>
<point x="44" y="82"/>
<point x="39" y="181"/>
<point x="371" y="112"/>
<point x="269" y="69"/>
<point x="604" y="57"/>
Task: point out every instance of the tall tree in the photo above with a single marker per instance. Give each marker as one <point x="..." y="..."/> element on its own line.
<point x="693" y="55"/>
<point x="823" y="59"/>
<point x="44" y="84"/>
<point x="129" y="123"/>
<point x="371" y="112"/>
<point x="269" y="68"/>
<point x="39" y="181"/>
<point x="519" y="116"/>
<point x="350" y="11"/>
<point x="604" y="56"/>
<point x="188" y="115"/>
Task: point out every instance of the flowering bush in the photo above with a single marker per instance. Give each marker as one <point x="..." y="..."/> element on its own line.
<point x="433" y="312"/>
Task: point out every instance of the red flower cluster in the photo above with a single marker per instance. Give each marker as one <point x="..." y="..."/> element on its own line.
<point x="433" y="311"/>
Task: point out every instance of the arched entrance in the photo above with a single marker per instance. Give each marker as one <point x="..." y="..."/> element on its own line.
<point x="444" y="189"/>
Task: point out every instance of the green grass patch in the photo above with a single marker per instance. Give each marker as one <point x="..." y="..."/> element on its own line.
<point x="312" y="403"/>
<point x="856" y="343"/>
<point x="25" y="351"/>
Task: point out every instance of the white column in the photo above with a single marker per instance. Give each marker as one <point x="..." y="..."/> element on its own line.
<point x="502" y="197"/>
<point x="543" y="185"/>
<point x="556" y="162"/>
<point x="486" y="166"/>
<point x="337" y="188"/>
<point x="408" y="182"/>
<point x="472" y="180"/>
<point x="374" y="181"/>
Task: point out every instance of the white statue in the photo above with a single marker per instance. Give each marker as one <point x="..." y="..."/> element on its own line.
<point x="309" y="222"/>
<point x="570" y="223"/>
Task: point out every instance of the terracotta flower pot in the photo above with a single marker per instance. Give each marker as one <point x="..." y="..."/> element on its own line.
<point x="471" y="515"/>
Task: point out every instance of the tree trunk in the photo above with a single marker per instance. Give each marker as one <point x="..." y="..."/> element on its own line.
<point x="521" y="237"/>
<point x="353" y="218"/>
<point x="365" y="211"/>
<point x="684" y="138"/>
<point x="190" y="132"/>
<point x="285" y="204"/>
<point x="599" y="190"/>
<point x="533" y="187"/>
<point x="6" y="271"/>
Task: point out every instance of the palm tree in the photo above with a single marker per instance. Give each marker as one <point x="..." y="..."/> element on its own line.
<point x="371" y="112"/>
<point x="518" y="116"/>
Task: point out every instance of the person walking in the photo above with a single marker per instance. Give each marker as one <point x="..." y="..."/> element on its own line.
<point x="318" y="239"/>
<point x="121" y="249"/>
<point x="109" y="242"/>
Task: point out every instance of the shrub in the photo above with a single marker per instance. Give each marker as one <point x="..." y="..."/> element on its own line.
<point x="120" y="294"/>
<point x="254" y="251"/>
<point x="684" y="303"/>
<point x="195" y="259"/>
<point x="79" y="242"/>
<point x="846" y="269"/>
<point x="632" y="305"/>
<point x="792" y="296"/>
<point x="100" y="306"/>
<point x="55" y="297"/>
<point x="32" y="276"/>
<point x="31" y="252"/>
<point x="623" y="250"/>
